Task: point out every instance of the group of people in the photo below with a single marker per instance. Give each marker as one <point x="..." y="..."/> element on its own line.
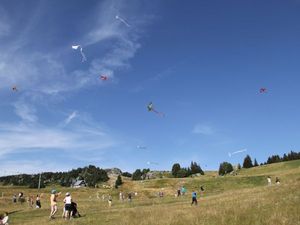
<point x="269" y="180"/>
<point x="30" y="200"/>
<point x="70" y="207"/>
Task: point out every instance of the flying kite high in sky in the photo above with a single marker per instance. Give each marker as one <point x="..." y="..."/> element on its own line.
<point x="75" y="47"/>
<point x="152" y="163"/>
<point x="103" y="77"/>
<point x="236" y="152"/>
<point x="263" y="90"/>
<point x="122" y="20"/>
<point x="141" y="147"/>
<point x="151" y="109"/>
<point x="14" y="88"/>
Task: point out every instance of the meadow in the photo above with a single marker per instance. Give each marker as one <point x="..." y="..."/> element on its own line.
<point x="244" y="199"/>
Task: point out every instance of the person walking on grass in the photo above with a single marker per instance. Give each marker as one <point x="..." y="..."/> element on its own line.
<point x="269" y="181"/>
<point x="53" y="203"/>
<point x="194" y="198"/>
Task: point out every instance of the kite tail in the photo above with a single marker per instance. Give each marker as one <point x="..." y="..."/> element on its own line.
<point x="83" y="58"/>
<point x="123" y="21"/>
<point x="158" y="113"/>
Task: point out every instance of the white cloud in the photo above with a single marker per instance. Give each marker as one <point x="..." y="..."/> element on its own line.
<point x="25" y="112"/>
<point x="203" y="129"/>
<point x="22" y="137"/>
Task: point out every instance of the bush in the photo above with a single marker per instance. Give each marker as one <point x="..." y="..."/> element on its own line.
<point x="225" y="168"/>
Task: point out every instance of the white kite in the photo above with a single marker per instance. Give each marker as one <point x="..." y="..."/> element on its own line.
<point x="122" y="20"/>
<point x="141" y="147"/>
<point x="236" y="152"/>
<point x="152" y="163"/>
<point x="75" y="47"/>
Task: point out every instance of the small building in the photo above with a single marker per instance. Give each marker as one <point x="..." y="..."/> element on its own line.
<point x="79" y="184"/>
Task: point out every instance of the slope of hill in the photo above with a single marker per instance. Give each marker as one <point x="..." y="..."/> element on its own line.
<point x="244" y="199"/>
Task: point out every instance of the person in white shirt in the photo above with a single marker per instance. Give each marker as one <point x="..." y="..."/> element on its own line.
<point x="4" y="219"/>
<point x="68" y="206"/>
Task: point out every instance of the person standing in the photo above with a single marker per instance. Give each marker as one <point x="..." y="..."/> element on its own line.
<point x="38" y="202"/>
<point x="194" y="198"/>
<point x="109" y="201"/>
<point x="53" y="203"/>
<point x="269" y="180"/>
<point x="68" y="206"/>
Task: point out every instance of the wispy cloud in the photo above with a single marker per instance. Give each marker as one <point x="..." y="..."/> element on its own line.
<point x="203" y="129"/>
<point x="46" y="73"/>
<point x="22" y="137"/>
<point x="25" y="112"/>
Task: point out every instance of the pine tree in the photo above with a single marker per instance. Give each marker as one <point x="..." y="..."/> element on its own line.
<point x="195" y="168"/>
<point x="239" y="166"/>
<point x="175" y="168"/>
<point x="119" y="181"/>
<point x="255" y="162"/>
<point x="247" y="162"/>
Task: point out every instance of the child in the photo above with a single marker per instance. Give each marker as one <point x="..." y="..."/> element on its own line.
<point x="194" y="198"/>
<point x="38" y="202"/>
<point x="109" y="200"/>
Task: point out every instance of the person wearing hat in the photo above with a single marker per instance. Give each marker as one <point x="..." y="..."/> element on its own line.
<point x="53" y="203"/>
<point x="68" y="206"/>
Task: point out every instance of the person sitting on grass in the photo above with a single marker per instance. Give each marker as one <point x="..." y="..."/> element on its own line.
<point x="4" y="219"/>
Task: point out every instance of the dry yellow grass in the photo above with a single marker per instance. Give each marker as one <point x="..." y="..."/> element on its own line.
<point x="232" y="201"/>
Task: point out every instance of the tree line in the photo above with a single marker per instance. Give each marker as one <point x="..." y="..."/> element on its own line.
<point x="90" y="174"/>
<point x="226" y="167"/>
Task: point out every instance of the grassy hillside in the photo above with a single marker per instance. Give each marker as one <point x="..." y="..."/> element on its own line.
<point x="231" y="200"/>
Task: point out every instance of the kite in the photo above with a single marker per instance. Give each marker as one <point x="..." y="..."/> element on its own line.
<point x="263" y="90"/>
<point x="152" y="163"/>
<point x="233" y="153"/>
<point x="141" y="147"/>
<point x="103" y="77"/>
<point x="75" y="47"/>
<point x="14" y="88"/>
<point x="151" y="109"/>
<point x="122" y="20"/>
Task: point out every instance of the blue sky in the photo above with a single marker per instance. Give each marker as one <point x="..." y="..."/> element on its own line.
<point x="202" y="63"/>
